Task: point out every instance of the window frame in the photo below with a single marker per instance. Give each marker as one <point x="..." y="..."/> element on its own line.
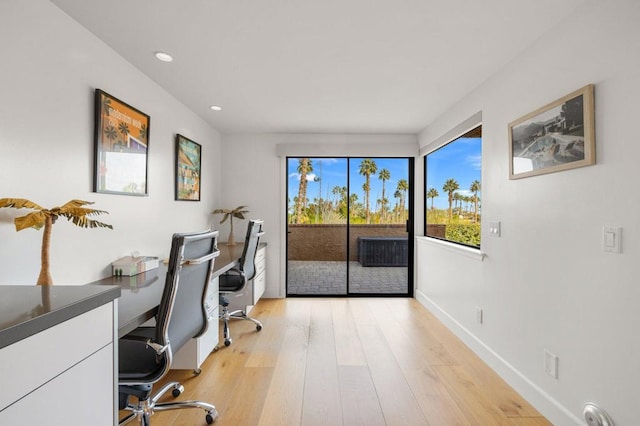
<point x="468" y="128"/>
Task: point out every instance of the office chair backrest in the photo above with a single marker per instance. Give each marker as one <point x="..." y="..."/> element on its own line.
<point x="247" y="261"/>
<point x="182" y="314"/>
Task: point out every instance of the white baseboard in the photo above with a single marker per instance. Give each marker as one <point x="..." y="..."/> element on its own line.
<point x="549" y="407"/>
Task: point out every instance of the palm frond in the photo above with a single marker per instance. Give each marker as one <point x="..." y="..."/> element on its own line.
<point x="84" y="222"/>
<point x="237" y="212"/>
<point x="34" y="220"/>
<point x="78" y="211"/>
<point x="19" y="203"/>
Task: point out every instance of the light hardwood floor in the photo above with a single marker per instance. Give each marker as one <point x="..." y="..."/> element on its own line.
<point x="359" y="361"/>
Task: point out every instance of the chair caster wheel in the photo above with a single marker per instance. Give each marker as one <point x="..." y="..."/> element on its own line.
<point x="211" y="417"/>
<point x="227" y="342"/>
<point x="258" y="327"/>
<point x="177" y="391"/>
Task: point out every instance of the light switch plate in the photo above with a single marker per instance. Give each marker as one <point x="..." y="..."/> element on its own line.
<point x="611" y="239"/>
<point x="494" y="229"/>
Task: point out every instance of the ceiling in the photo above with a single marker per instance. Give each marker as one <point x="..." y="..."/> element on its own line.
<point x="323" y="66"/>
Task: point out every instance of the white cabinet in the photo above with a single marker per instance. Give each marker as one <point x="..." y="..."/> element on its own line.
<point x="62" y="375"/>
<point x="195" y="351"/>
<point x="260" y="280"/>
<point x="253" y="291"/>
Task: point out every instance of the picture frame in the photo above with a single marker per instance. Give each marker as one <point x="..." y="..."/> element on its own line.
<point x="558" y="136"/>
<point x="121" y="147"/>
<point x="188" y="170"/>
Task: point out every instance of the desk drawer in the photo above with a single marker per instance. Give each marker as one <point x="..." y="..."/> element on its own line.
<point x="259" y="285"/>
<point x="261" y="261"/>
<point x="31" y="362"/>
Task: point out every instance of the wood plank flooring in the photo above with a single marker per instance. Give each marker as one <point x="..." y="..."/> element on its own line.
<point x="360" y="361"/>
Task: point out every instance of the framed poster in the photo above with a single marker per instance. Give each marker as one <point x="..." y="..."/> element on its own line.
<point x="188" y="169"/>
<point x="558" y="136"/>
<point x="121" y="148"/>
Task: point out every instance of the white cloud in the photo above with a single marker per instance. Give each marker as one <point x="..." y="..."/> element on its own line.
<point x="310" y="177"/>
<point x="475" y="161"/>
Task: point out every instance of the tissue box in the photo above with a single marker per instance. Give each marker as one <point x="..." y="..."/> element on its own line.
<point x="129" y="265"/>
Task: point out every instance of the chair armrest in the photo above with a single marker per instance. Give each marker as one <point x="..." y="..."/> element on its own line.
<point x="147" y="342"/>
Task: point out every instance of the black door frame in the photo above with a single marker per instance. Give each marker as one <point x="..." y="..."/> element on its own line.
<point x="409" y="227"/>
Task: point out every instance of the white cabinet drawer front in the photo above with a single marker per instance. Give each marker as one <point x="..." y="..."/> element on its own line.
<point x="261" y="266"/>
<point x="60" y="402"/>
<point x="259" y="284"/>
<point x="33" y="361"/>
<point x="261" y="255"/>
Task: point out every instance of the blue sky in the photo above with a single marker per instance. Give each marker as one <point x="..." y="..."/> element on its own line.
<point x="460" y="160"/>
<point x="333" y="172"/>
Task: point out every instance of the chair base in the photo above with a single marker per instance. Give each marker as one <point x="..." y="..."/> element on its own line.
<point x="225" y="316"/>
<point x="147" y="405"/>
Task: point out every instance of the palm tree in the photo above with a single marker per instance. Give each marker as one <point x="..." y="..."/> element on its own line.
<point x="304" y="168"/>
<point x="475" y="188"/>
<point x="367" y="168"/>
<point x="457" y="201"/>
<point x="432" y="193"/>
<point x="73" y="210"/>
<point x="341" y="203"/>
<point x="399" y="202"/>
<point x="143" y="132"/>
<point x="354" y="206"/>
<point x="111" y="134"/>
<point x="230" y="214"/>
<point x="384" y="175"/>
<point x="124" y="129"/>
<point x="403" y="186"/>
<point x="450" y="186"/>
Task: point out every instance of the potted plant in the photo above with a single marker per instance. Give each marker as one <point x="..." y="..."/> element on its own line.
<point x="238" y="212"/>
<point x="41" y="217"/>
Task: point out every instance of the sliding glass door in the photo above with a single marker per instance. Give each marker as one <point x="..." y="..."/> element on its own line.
<point x="347" y="221"/>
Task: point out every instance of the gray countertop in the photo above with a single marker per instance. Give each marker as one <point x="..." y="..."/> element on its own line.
<point x="27" y="310"/>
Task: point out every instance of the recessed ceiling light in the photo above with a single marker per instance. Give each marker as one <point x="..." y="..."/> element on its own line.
<point x="164" y="57"/>
<point x="216" y="107"/>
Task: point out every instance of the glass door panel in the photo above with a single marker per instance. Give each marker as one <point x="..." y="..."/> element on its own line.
<point x="317" y="226"/>
<point x="378" y="238"/>
<point x="347" y="226"/>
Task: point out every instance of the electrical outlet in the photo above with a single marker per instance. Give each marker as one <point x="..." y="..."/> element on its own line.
<point x="479" y="315"/>
<point x="551" y="364"/>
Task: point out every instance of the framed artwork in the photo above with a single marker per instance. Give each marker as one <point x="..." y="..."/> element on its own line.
<point x="121" y="138"/>
<point x="558" y="136"/>
<point x="188" y="169"/>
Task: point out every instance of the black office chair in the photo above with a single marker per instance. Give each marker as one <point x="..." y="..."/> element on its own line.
<point x="145" y="354"/>
<point x="235" y="279"/>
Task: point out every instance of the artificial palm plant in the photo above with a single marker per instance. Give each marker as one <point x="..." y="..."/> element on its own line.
<point x="238" y="212"/>
<point x="41" y="217"/>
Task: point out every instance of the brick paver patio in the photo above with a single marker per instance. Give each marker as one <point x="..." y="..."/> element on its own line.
<point x="329" y="278"/>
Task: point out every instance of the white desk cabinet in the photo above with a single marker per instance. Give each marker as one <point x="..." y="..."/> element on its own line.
<point x="62" y="374"/>
<point x="254" y="290"/>
<point x="195" y="351"/>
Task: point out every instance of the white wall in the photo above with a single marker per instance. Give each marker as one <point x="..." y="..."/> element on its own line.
<point x="50" y="68"/>
<point x="546" y="283"/>
<point x="253" y="168"/>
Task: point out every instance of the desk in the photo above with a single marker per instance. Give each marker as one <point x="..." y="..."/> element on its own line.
<point x="140" y="294"/>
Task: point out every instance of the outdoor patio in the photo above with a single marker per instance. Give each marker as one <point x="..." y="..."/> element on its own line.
<point x="329" y="278"/>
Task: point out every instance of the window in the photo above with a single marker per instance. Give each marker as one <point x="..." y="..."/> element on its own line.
<point x="453" y="190"/>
